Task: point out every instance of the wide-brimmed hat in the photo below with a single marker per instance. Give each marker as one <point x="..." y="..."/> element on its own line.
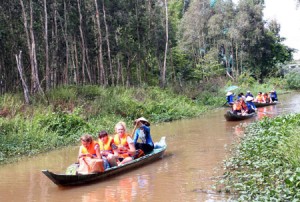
<point x="249" y="98"/>
<point x="248" y="91"/>
<point x="228" y="93"/>
<point x="143" y="120"/>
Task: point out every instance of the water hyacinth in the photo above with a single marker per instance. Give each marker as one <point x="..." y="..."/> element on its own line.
<point x="265" y="166"/>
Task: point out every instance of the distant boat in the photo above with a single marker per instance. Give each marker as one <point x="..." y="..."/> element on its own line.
<point x="262" y="104"/>
<point x="71" y="180"/>
<point x="230" y="116"/>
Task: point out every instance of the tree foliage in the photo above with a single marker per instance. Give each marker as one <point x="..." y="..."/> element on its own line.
<point x="112" y="42"/>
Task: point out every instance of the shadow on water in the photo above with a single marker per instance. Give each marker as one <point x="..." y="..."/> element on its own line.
<point x="192" y="164"/>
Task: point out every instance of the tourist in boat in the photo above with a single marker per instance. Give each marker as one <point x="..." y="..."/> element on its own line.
<point x="273" y="95"/>
<point x="260" y="98"/>
<point x="243" y="104"/>
<point x="108" y="148"/>
<point x="230" y="98"/>
<point x="267" y="98"/>
<point x="89" y="157"/>
<point x="249" y="94"/>
<point x="237" y="107"/>
<point x="125" y="144"/>
<point x="250" y="105"/>
<point x="241" y="95"/>
<point x="142" y="133"/>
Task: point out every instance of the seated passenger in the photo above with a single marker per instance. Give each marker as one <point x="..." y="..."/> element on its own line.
<point x="237" y="107"/>
<point x="241" y="95"/>
<point x="249" y="94"/>
<point x="250" y="105"/>
<point x="260" y="98"/>
<point x="267" y="98"/>
<point x="108" y="149"/>
<point x="126" y="149"/>
<point x="230" y="98"/>
<point x="273" y="95"/>
<point x="243" y="105"/>
<point x="143" y="133"/>
<point x="89" y="157"/>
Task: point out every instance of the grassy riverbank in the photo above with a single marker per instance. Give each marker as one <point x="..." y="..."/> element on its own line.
<point x="68" y="112"/>
<point x="61" y="116"/>
<point x="265" y="165"/>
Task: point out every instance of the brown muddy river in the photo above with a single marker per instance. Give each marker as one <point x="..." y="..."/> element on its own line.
<point x="193" y="160"/>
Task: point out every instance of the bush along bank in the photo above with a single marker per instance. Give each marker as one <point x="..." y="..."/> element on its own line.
<point x="265" y="164"/>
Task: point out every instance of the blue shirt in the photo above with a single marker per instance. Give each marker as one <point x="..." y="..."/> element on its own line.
<point x="230" y="98"/>
<point x="273" y="95"/>
<point x="143" y="133"/>
<point x="251" y="106"/>
<point x="249" y="94"/>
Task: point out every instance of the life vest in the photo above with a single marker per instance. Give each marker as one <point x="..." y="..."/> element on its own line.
<point x="267" y="98"/>
<point x="106" y="146"/>
<point x="122" y="142"/>
<point x="237" y="106"/>
<point x="244" y="106"/>
<point x="91" y="150"/>
<point x="259" y="98"/>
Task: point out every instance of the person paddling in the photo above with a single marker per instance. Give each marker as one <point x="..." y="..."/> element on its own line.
<point x="230" y="98"/>
<point x="142" y="133"/>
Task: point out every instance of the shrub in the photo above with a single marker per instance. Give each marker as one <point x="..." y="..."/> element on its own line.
<point x="293" y="80"/>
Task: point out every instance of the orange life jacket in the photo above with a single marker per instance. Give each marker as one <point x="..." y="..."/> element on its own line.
<point x="237" y="106"/>
<point x="106" y="146"/>
<point x="259" y="98"/>
<point x="91" y="150"/>
<point x="122" y="142"/>
<point x="244" y="105"/>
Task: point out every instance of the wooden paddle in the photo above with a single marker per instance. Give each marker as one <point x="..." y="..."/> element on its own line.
<point x="134" y="129"/>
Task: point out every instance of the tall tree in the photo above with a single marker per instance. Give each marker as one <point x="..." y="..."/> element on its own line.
<point x="35" y="82"/>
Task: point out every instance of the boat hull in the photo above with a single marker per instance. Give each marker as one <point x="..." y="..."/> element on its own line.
<point x="72" y="180"/>
<point x="259" y="104"/>
<point x="230" y="116"/>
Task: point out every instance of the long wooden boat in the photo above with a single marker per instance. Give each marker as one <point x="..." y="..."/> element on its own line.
<point x="230" y="116"/>
<point x="71" y="180"/>
<point x="261" y="104"/>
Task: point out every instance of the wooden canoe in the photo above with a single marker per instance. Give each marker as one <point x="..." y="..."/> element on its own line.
<point x="71" y="180"/>
<point x="230" y="116"/>
<point x="261" y="104"/>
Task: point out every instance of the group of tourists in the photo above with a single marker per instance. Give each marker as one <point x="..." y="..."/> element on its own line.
<point x="109" y="151"/>
<point x="243" y="104"/>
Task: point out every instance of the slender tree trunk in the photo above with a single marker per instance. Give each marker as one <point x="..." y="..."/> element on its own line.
<point x="53" y="67"/>
<point x="46" y="48"/>
<point x="164" y="68"/>
<point x="108" y="46"/>
<point x="76" y="66"/>
<point x="23" y="78"/>
<point x="138" y="71"/>
<point x="36" y="79"/>
<point x="83" y="63"/>
<point x="100" y="54"/>
<point x="35" y="83"/>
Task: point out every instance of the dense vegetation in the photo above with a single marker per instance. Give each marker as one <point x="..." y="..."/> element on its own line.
<point x="70" y="111"/>
<point x="265" y="164"/>
<point x="46" y="44"/>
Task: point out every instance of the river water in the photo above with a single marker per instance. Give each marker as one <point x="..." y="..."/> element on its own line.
<point x="192" y="162"/>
